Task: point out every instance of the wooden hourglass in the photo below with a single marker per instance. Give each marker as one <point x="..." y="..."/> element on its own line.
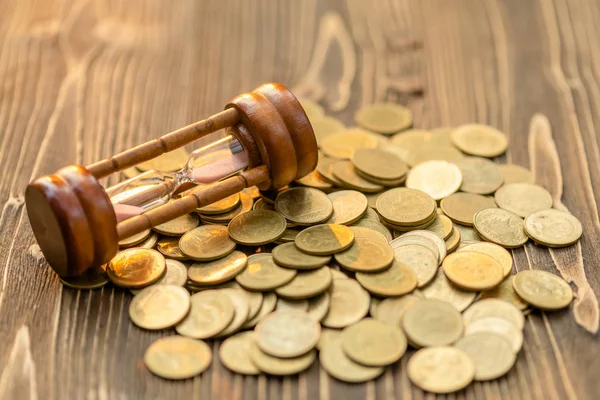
<point x="72" y="215"/>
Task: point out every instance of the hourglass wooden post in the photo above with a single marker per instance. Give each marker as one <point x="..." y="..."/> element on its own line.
<point x="74" y="221"/>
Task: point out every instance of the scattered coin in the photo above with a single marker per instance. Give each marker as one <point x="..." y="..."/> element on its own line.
<point x="442" y="289"/>
<point x="499" y="253"/>
<point x="543" y="290"/>
<point x="159" y="307"/>
<point x="241" y="309"/>
<point x="304" y="206"/>
<point x="397" y="280"/>
<point x="344" y="171"/>
<point x="178" y="226"/>
<point x="372" y="343"/>
<point x="337" y="364"/>
<point x="93" y="278"/>
<point x="498" y="326"/>
<point x="135" y="239"/>
<point x="169" y="247"/>
<point x="306" y="284"/>
<point x="430" y="323"/>
<point x="392" y="309"/>
<point x="287" y="334"/>
<point x="453" y="241"/>
<point x="553" y="228"/>
<point x="473" y="270"/>
<point x="491" y="353"/>
<point x="211" y="311"/>
<point x="480" y="175"/>
<point x="366" y="255"/>
<point x="177" y="357"/>
<point x="288" y="255"/>
<point x="479" y="140"/>
<point x="468" y="235"/>
<point x="234" y="353"/>
<point x="281" y="366"/>
<point x="438" y="179"/>
<point x="222" y="206"/>
<point x="288" y="304"/>
<point x="325" y="239"/>
<point x="501" y="227"/>
<point x="516" y="174"/>
<point x="246" y="203"/>
<point x="315" y="180"/>
<point x="505" y="292"/>
<point x="422" y="261"/>
<point x="384" y="118"/>
<point x="318" y="306"/>
<point x="218" y="271"/>
<point x="348" y="206"/>
<point x="257" y="227"/>
<point x="262" y="273"/>
<point x="136" y="268"/>
<point x="494" y="308"/>
<point x="150" y="241"/>
<point x="343" y="144"/>
<point x="324" y="168"/>
<point x="441" y="369"/>
<point x="379" y="164"/>
<point x="267" y="306"/>
<point x="404" y="206"/>
<point x="462" y="207"/>
<point x="176" y="274"/>
<point x="349" y="304"/>
<point x="361" y="231"/>
<point x="206" y="243"/>
<point x="523" y="199"/>
<point x="439" y="243"/>
<point x="441" y="227"/>
<point x="325" y="126"/>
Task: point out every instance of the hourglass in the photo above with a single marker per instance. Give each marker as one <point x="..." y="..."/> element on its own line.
<point x="270" y="143"/>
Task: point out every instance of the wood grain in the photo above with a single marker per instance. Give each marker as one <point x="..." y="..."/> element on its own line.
<point x="81" y="80"/>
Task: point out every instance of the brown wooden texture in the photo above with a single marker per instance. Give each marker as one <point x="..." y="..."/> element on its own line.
<point x="82" y="80"/>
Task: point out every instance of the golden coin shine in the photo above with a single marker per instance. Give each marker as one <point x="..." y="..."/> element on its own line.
<point x="257" y="227"/>
<point x="366" y="255"/>
<point x="211" y="311"/>
<point x="397" y="280"/>
<point x="553" y="228"/>
<point x="348" y="206"/>
<point x="479" y="140"/>
<point x="136" y="268"/>
<point x="404" y="206"/>
<point x="177" y="357"/>
<point x="441" y="369"/>
<point x="218" y="271"/>
<point x="178" y="226"/>
<point x="379" y="163"/>
<point x="263" y="274"/>
<point x="159" y="306"/>
<point x="325" y="239"/>
<point x="498" y="252"/>
<point x="438" y="179"/>
<point x="473" y="270"/>
<point x="304" y="206"/>
<point x="206" y="243"/>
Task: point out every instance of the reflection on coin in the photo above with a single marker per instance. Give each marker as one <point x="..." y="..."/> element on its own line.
<point x="135" y="239"/>
<point x="491" y="353"/>
<point x="366" y="255"/>
<point x="348" y="206"/>
<point x="287" y="333"/>
<point x="499" y="253"/>
<point x="178" y="226"/>
<point x="263" y="274"/>
<point x="288" y="255"/>
<point x="441" y="227"/>
<point x="343" y="144"/>
<point x="505" y="292"/>
<point x="516" y="174"/>
<point x="234" y="353"/>
<point x="306" y="284"/>
<point x="176" y="274"/>
<point x="241" y="309"/>
<point x="325" y="126"/>
<point x="221" y="206"/>
<point x="392" y="309"/>
<point x="315" y="180"/>
<point x="384" y="118"/>
<point x="397" y="280"/>
<point x="257" y="227"/>
<point x="325" y="239"/>
<point x="136" y="268"/>
<point x="498" y="326"/>
<point x="432" y="323"/>
<point x="169" y="247"/>
<point x="206" y="243"/>
<point x="281" y="366"/>
<point x="543" y="290"/>
<point x="553" y="228"/>
<point x="441" y="369"/>
<point x="501" y="227"/>
<point x="438" y="179"/>
<point x="344" y="171"/>
<point x="405" y="206"/>
<point x="267" y="306"/>
<point x="480" y="175"/>
<point x="177" y="357"/>
<point x="420" y="259"/>
<point x="318" y="306"/>
<point x="92" y="278"/>
<point x="159" y="306"/>
<point x="349" y="304"/>
<point x="372" y="343"/>
<point x="304" y="206"/>
<point x="337" y="364"/>
<point x="462" y="207"/>
<point x="523" y="199"/>
<point x="379" y="164"/>
<point x="218" y="271"/>
<point x="479" y="140"/>
<point x="211" y="311"/>
<point x="473" y="270"/>
<point x="442" y="289"/>
<point x="494" y="308"/>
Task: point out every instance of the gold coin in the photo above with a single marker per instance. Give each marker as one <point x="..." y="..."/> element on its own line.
<point x="370" y="215"/>
<point x="241" y="310"/>
<point x="479" y="140"/>
<point x="206" y="243"/>
<point x="462" y="207"/>
<point x="136" y="268"/>
<point x="348" y="206"/>
<point x="404" y="206"/>
<point x="135" y="239"/>
<point x="372" y="199"/>
<point x="420" y="240"/>
<point x="313" y="110"/>
<point x="432" y="152"/>
<point x="349" y="304"/>
<point x="441" y="227"/>
<point x="287" y="334"/>
<point x="304" y="206"/>
<point x="523" y="199"/>
<point x="306" y="284"/>
<point x="366" y="255"/>
<point x="218" y="271"/>
<point x="498" y="326"/>
<point x="379" y="164"/>
<point x="288" y="255"/>
<point x="337" y="274"/>
<point x="267" y="306"/>
<point x="288" y="236"/>
<point x="473" y="270"/>
<point x="294" y="305"/>
<point x="255" y="300"/>
<point x="442" y="289"/>
<point x="494" y="308"/>
<point x="400" y="230"/>
<point x="318" y="306"/>
<point x="343" y="144"/>
<point x="325" y="239"/>
<point x="257" y="227"/>
<point x="453" y="241"/>
<point x="501" y="227"/>
<point x="392" y="309"/>
<point x="337" y="364"/>
<point x="328" y="335"/>
<point x="516" y="174"/>
<point x="505" y="292"/>
<point x="412" y="139"/>
<point x="281" y="366"/>
<point x="374" y="226"/>
<point x="372" y="343"/>
<point x="169" y="247"/>
<point x="467" y="234"/>
<point x="176" y="274"/>
<point x="251" y="192"/>
<point x="172" y="161"/>
<point x="221" y="206"/>
<point x="178" y="226"/>
<point x="499" y="253"/>
<point x="397" y="280"/>
<point x="431" y="322"/>
<point x="176" y="357"/>
<point x="491" y="353"/>
<point x="433" y="238"/>
<point x="244" y="206"/>
<point x="480" y="175"/>
<point x="325" y="126"/>
<point x="261" y="204"/>
<point x="325" y="167"/>
<point x="263" y="274"/>
<point x="150" y="242"/>
<point x="361" y="231"/>
<point x="159" y="307"/>
<point x="381" y="182"/>
<point x="92" y="278"/>
<point x="234" y="353"/>
<point x="421" y="260"/>
<point x="385" y="118"/>
<point x="315" y="180"/>
<point x="543" y="290"/>
<point x="211" y="311"/>
<point x="553" y="228"/>
<point x="441" y="369"/>
<point x="438" y="179"/>
<point x="344" y="171"/>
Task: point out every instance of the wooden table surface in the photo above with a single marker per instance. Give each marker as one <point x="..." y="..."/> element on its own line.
<point x="81" y="80"/>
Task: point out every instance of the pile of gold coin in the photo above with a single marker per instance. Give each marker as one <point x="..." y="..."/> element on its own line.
<point x="398" y="240"/>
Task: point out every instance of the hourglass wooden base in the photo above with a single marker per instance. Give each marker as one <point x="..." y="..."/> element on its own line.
<point x="73" y="218"/>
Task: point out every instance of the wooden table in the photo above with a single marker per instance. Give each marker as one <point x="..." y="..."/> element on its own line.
<point x="80" y="80"/>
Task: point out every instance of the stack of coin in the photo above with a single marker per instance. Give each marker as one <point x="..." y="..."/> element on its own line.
<point x="397" y="240"/>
